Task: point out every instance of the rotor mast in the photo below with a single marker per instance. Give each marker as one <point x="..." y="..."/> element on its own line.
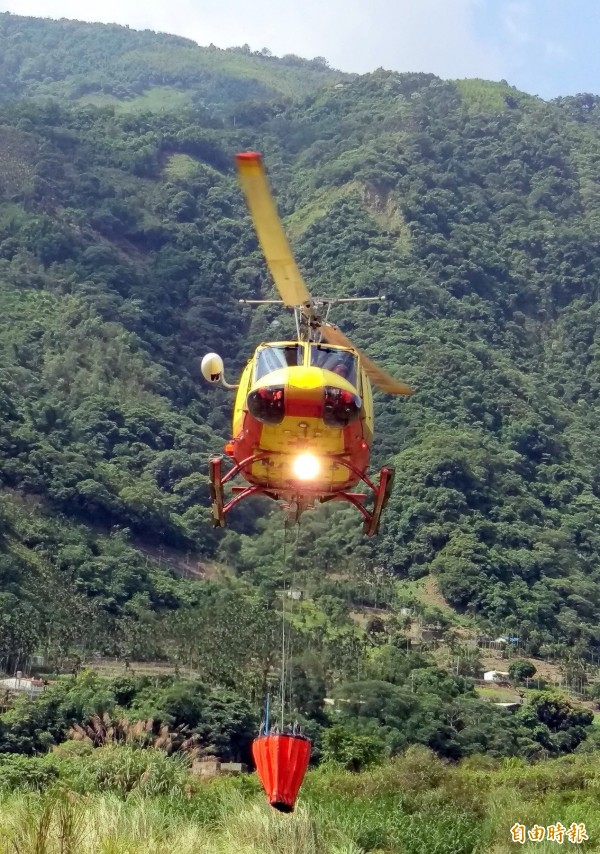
<point x="313" y="315"/>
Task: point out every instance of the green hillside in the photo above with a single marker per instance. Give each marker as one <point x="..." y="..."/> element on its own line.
<point x="113" y="65"/>
<point x="125" y="246"/>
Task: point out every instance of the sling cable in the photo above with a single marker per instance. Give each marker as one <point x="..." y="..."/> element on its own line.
<point x="282" y="753"/>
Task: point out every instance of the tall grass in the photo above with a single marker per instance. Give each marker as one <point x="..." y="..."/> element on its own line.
<point x="107" y="824"/>
<point x="122" y="801"/>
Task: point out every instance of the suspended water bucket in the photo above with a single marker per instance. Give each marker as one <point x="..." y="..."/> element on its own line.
<point x="281" y="762"/>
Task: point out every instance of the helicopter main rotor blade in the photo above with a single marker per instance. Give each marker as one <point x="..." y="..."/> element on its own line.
<point x="377" y="375"/>
<point x="269" y="229"/>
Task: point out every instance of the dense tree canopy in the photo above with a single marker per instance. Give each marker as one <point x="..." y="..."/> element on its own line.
<point x="124" y="248"/>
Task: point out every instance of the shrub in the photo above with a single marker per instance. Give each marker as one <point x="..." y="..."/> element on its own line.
<point x="25" y="772"/>
<point x="125" y="769"/>
<point x="521" y="669"/>
<point x="352" y="750"/>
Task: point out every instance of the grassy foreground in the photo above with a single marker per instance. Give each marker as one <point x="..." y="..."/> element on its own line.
<point x="119" y="801"/>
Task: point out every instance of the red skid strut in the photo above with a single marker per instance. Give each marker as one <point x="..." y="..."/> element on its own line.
<point x="381" y="492"/>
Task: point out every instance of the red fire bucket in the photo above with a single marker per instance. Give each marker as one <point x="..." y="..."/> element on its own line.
<point x="281" y="762"/>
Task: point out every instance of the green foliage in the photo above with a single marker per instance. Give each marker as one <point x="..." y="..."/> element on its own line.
<point x="115" y="800"/>
<point x="25" y="774"/>
<point x="125" y="247"/>
<point x="224" y="722"/>
<point x="109" y="65"/>
<point x="351" y="750"/>
<point x="125" y="769"/>
<point x="557" y="725"/>
<point x="521" y="669"/>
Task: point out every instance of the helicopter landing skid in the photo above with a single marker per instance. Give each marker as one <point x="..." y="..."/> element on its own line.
<point x="381" y="493"/>
<point x="217" y="483"/>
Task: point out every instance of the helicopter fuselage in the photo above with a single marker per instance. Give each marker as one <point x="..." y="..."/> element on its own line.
<point x="303" y="416"/>
<point x="303" y="419"/>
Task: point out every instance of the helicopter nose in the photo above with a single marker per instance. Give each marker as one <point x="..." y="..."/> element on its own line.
<point x="304" y="393"/>
<point x="305" y="379"/>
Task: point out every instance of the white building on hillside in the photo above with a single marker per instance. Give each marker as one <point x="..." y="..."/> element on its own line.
<point x="23" y="685"/>
<point x="496" y="676"/>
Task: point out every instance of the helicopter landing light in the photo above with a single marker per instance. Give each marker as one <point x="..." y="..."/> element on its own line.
<point x="306" y="467"/>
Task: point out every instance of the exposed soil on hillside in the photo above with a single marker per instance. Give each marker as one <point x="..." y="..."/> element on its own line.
<point x="429" y="593"/>
<point x="186" y="565"/>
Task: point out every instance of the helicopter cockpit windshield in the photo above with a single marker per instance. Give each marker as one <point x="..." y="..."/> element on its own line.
<point x="341" y="362"/>
<point x="271" y="359"/>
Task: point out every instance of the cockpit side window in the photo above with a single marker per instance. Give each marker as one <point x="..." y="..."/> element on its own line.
<point x="341" y="362"/>
<point x="273" y="358"/>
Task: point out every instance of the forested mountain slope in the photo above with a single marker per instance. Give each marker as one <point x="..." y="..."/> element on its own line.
<point x="475" y="209"/>
<point x="125" y="245"/>
<point x="113" y="64"/>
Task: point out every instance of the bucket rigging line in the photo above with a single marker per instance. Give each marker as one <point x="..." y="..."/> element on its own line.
<point x="282" y="755"/>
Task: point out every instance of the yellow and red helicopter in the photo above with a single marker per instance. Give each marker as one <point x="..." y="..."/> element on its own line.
<point x="303" y="414"/>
